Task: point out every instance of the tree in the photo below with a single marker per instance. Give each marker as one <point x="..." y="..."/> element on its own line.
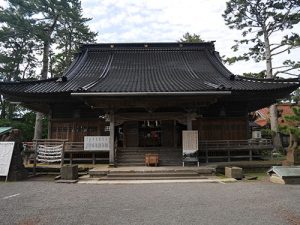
<point x="68" y="38"/>
<point x="16" y="53"/>
<point x="260" y="75"/>
<point x="261" y="23"/>
<point x="293" y="130"/>
<point x="44" y="21"/>
<point x="191" y="38"/>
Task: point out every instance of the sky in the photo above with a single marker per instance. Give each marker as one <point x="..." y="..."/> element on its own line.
<point x="167" y="21"/>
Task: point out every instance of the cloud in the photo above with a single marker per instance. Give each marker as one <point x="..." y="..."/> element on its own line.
<point x="168" y="20"/>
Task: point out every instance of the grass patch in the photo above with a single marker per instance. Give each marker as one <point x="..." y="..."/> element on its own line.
<point x="261" y="176"/>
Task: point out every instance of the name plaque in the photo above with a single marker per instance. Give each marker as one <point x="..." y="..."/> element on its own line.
<point x="96" y="143"/>
<point x="190" y="145"/>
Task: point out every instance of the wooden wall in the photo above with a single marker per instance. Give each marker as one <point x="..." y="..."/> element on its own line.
<point x="75" y="130"/>
<point x="235" y="128"/>
<point x="131" y="134"/>
<point x="167" y="133"/>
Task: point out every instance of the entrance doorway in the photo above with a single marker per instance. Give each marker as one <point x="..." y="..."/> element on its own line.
<point x="149" y="133"/>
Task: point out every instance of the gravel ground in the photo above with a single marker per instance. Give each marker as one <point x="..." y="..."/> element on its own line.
<point x="44" y="202"/>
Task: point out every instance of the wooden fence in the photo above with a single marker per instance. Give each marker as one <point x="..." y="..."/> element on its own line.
<point x="233" y="149"/>
<point x="208" y="150"/>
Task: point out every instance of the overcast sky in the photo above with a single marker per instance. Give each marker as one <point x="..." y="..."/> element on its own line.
<point x="165" y="21"/>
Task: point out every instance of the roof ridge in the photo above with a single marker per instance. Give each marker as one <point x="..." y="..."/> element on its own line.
<point x="77" y="66"/>
<point x="29" y="81"/>
<point x="270" y="80"/>
<point x="218" y="65"/>
<point x="149" y="46"/>
<point x="102" y="75"/>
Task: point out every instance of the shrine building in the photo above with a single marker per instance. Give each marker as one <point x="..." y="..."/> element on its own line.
<point x="144" y="95"/>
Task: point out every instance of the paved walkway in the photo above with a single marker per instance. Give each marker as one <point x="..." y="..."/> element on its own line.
<point x="164" y="181"/>
<point x="242" y="203"/>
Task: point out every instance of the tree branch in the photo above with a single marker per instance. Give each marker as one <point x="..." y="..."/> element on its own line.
<point x="277" y="53"/>
<point x="285" y="71"/>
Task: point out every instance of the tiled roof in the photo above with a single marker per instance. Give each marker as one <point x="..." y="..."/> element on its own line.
<point x="152" y="67"/>
<point x="284" y="109"/>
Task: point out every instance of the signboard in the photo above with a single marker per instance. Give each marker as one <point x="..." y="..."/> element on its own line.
<point x="96" y="143"/>
<point x="190" y="145"/>
<point x="6" y="151"/>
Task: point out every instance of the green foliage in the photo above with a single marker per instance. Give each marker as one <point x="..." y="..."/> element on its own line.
<point x="31" y="28"/>
<point x="25" y="124"/>
<point x="266" y="133"/>
<point x="260" y="21"/>
<point x="293" y="123"/>
<point x="191" y="38"/>
<point x="68" y="37"/>
<point x="260" y="75"/>
<point x="16" y="46"/>
<point x="295" y="96"/>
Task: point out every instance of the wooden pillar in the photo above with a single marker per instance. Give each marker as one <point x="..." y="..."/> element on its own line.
<point x="189" y="121"/>
<point x="112" y="137"/>
<point x="49" y="124"/>
<point x="175" y="134"/>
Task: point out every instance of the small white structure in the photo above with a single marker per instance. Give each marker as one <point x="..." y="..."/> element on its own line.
<point x="256" y="134"/>
<point x="285" y="174"/>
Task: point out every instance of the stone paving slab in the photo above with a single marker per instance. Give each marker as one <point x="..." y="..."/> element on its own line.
<point x="222" y="181"/>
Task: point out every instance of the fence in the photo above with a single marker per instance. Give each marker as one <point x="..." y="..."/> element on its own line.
<point x="234" y="149"/>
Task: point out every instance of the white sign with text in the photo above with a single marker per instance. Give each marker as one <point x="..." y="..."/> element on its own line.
<point x="6" y="151"/>
<point x="96" y="143"/>
<point x="190" y="145"/>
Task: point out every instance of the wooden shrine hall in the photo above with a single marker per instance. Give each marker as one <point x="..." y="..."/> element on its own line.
<point x="144" y="95"/>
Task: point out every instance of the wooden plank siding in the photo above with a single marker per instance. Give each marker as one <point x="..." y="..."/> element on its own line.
<point x="75" y="130"/>
<point x="235" y="128"/>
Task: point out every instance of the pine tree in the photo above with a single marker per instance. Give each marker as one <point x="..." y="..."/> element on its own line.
<point x="44" y="22"/>
<point x="191" y="38"/>
<point x="260" y="21"/>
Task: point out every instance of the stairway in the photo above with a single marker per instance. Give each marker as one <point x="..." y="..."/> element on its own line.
<point x="135" y="156"/>
<point x="152" y="173"/>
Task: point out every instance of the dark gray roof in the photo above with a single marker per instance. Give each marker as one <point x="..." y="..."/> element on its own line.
<point x="285" y="171"/>
<point x="152" y="67"/>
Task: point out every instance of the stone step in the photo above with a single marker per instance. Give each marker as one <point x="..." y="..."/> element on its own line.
<point x="161" y="162"/>
<point x="154" y="174"/>
<point x="136" y="156"/>
<point x="154" y="178"/>
<point x="142" y="159"/>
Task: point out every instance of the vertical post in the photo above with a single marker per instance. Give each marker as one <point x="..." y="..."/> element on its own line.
<point x="35" y="156"/>
<point x="228" y="155"/>
<point x="112" y="137"/>
<point x="175" y="134"/>
<point x="228" y="146"/>
<point x="250" y="154"/>
<point x="189" y="122"/>
<point x="62" y="155"/>
<point x="94" y="158"/>
<point x="71" y="158"/>
<point x="49" y="124"/>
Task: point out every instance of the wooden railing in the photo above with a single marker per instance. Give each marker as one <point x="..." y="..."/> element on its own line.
<point x="233" y="149"/>
<point x="72" y="151"/>
<point x="208" y="150"/>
